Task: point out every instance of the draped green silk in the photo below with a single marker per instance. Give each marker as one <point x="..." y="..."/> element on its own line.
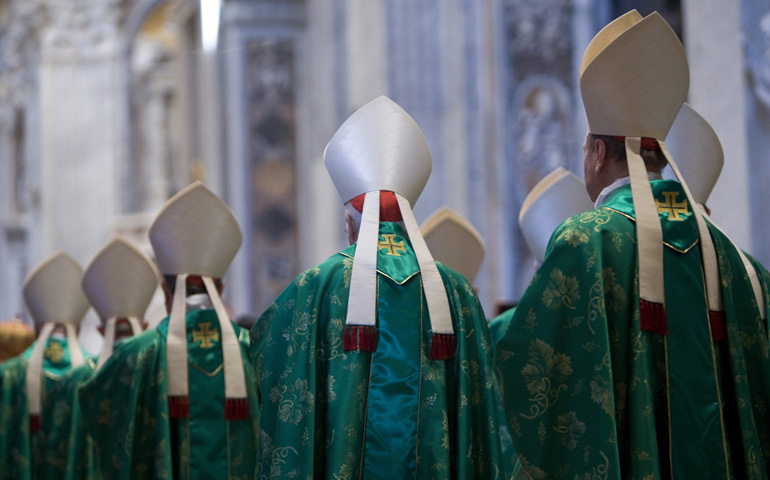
<point x="25" y="456"/>
<point x="125" y="409"/>
<point x="587" y="393"/>
<point x="331" y="413"/>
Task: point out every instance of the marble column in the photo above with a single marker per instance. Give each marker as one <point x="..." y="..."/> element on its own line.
<point x="80" y="93"/>
<point x="718" y="93"/>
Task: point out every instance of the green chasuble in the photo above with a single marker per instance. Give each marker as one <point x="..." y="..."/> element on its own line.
<point x="394" y="413"/>
<point x="588" y="394"/>
<point x="77" y="462"/>
<point x="497" y="327"/>
<point x="125" y="410"/>
<point x="25" y="456"/>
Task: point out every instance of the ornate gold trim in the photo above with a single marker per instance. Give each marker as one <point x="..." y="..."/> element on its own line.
<point x="678" y="250"/>
<point x="208" y="374"/>
<point x="385" y="274"/>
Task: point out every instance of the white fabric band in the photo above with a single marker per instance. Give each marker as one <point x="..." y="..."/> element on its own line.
<point x="362" y="297"/>
<point x="176" y="342"/>
<point x="435" y="293"/>
<point x="708" y="252"/>
<point x="76" y="355"/>
<point x="107" y="342"/>
<point x="35" y="369"/>
<point x="649" y="234"/>
<point x="235" y="380"/>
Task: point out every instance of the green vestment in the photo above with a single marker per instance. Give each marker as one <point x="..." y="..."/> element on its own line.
<point x="125" y="410"/>
<point x="25" y="455"/>
<point x="394" y="413"/>
<point x="497" y="327"/>
<point x="70" y="430"/>
<point x="588" y="394"/>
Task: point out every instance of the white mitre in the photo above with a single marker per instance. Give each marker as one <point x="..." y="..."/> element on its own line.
<point x="53" y="295"/>
<point x="196" y="234"/>
<point x="454" y="241"/>
<point x="634" y="79"/>
<point x="52" y="291"/>
<point x="698" y="153"/>
<point x="120" y="282"/>
<point x="555" y="198"/>
<point x="380" y="147"/>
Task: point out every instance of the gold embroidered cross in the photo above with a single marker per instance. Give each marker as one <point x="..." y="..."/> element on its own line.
<point x="54" y="352"/>
<point x="391" y="247"/>
<point x="203" y="333"/>
<point x="671" y="206"/>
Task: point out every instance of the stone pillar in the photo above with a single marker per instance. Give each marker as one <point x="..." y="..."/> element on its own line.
<point x="718" y="93"/>
<point x="80" y="92"/>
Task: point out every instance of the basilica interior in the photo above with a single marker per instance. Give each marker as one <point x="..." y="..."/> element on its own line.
<point x="109" y="107"/>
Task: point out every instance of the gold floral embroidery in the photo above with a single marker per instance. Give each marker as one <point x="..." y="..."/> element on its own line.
<point x="545" y="374"/>
<point x="574" y="235"/>
<point x="600" y="393"/>
<point x="561" y="291"/>
<point x="294" y="401"/>
<point x="572" y="429"/>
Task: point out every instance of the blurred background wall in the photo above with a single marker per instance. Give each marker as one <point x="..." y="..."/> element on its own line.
<point x="109" y="107"/>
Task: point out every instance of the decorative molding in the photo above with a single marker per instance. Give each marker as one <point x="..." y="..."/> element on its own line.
<point x="81" y="30"/>
<point x="271" y="166"/>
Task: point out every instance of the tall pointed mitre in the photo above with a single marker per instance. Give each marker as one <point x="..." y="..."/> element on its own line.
<point x="634" y="79"/>
<point x="381" y="148"/>
<point x="453" y="241"/>
<point x="196" y="235"/>
<point x="120" y="282"/>
<point x="555" y="198"/>
<point x="54" y="297"/>
<point x="700" y="157"/>
<point x="698" y="152"/>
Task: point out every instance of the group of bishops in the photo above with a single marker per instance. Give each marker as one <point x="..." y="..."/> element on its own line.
<point x="639" y="350"/>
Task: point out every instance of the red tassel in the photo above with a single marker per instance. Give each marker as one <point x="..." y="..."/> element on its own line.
<point x="652" y="317"/>
<point x="236" y="408"/>
<point x="368" y="339"/>
<point x="34" y="423"/>
<point x="349" y="340"/>
<point x="442" y="346"/>
<point x="359" y="337"/>
<point x="718" y="325"/>
<point x="178" y="407"/>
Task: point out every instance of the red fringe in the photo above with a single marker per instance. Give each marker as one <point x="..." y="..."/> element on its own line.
<point x="236" y="408"/>
<point x="178" y="407"/>
<point x="34" y="423"/>
<point x="368" y="338"/>
<point x="442" y="346"/>
<point x="349" y="338"/>
<point x="360" y="337"/>
<point x="718" y="325"/>
<point x="652" y="317"/>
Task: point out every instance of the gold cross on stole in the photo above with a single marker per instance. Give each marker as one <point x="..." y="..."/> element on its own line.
<point x="203" y="333"/>
<point x="391" y="247"/>
<point x="671" y="206"/>
<point x="54" y="352"/>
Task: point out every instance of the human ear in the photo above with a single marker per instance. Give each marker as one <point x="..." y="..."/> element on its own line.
<point x="601" y="155"/>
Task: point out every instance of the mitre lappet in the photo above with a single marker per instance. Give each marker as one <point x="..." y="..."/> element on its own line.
<point x="454" y="241"/>
<point x="381" y="148"/>
<point x="120" y="282"/>
<point x="634" y="79"/>
<point x="555" y="198"/>
<point x="700" y="157"/>
<point x="53" y="295"/>
<point x="195" y="238"/>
